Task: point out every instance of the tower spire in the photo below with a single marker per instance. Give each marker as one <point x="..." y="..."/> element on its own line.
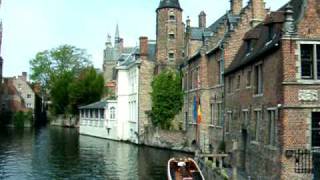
<point x="117" y="36"/>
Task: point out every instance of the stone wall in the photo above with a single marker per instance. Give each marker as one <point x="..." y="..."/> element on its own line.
<point x="168" y="139"/>
<point x="64" y="121"/>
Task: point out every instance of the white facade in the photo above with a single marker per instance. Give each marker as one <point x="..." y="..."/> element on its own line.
<point x="99" y="120"/>
<point x="127" y="91"/>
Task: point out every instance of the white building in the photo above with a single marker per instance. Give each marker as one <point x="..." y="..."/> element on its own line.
<point x="127" y="91"/>
<point x="99" y="119"/>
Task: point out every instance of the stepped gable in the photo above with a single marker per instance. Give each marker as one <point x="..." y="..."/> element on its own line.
<point x="263" y="44"/>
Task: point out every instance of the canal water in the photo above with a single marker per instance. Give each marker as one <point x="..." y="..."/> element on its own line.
<point x="58" y="153"/>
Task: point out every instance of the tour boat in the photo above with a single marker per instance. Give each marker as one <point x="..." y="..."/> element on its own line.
<point x="184" y="169"/>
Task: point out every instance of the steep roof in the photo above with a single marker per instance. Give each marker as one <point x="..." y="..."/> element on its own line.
<point x="97" y="105"/>
<point x="198" y="33"/>
<point x="169" y="4"/>
<point x="260" y="34"/>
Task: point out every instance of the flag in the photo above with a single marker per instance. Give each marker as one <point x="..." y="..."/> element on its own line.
<point x="195" y="109"/>
<point x="199" y="118"/>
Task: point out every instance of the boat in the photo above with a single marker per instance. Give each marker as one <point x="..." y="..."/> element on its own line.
<point x="183" y="169"/>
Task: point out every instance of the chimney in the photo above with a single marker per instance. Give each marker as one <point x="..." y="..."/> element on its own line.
<point x="24" y="76"/>
<point x="202" y="20"/>
<point x="258" y="12"/>
<point x="144" y="47"/>
<point x="236" y="6"/>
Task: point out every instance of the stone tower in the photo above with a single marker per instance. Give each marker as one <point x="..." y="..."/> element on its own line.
<point x="170" y="34"/>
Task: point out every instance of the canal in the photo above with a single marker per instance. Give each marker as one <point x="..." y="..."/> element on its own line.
<point x="58" y="153"/>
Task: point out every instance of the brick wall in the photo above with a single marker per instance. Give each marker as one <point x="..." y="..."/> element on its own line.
<point x="164" y="27"/>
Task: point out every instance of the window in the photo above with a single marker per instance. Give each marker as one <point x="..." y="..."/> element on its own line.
<point x="245" y="119"/>
<point x="230" y="79"/>
<point x="270" y="32"/>
<point x="249" y="78"/>
<point x="172" y="36"/>
<point x="29" y="96"/>
<point x="171" y="55"/>
<point x="29" y="105"/>
<point x="256" y="125"/>
<point x="272" y="127"/>
<point x="219" y="75"/>
<point x="215" y="114"/>
<point x="228" y="122"/>
<point x="102" y="113"/>
<point x="172" y="17"/>
<point x="248" y="46"/>
<point x="91" y="113"/>
<point x="96" y="113"/>
<point x="185" y="81"/>
<point x="113" y="113"/>
<point x="212" y="114"/>
<point x="87" y="113"/>
<point x="307" y="61"/>
<point x="318" y="62"/>
<point x="259" y="79"/>
<point x="195" y="78"/>
<point x="238" y="81"/>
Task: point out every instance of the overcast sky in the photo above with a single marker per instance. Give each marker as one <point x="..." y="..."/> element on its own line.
<point x="31" y="26"/>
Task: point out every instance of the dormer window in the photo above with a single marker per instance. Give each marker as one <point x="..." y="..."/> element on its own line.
<point x="270" y="32"/>
<point x="248" y="46"/>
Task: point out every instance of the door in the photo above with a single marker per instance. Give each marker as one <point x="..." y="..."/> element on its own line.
<point x="316" y="144"/>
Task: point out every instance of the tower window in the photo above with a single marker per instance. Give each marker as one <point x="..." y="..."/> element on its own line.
<point x="172" y="16"/>
<point x="171" y="55"/>
<point x="172" y="36"/>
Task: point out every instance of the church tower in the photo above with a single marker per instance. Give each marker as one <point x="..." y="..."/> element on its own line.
<point x="170" y="33"/>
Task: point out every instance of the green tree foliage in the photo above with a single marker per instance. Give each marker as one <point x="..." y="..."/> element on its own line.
<point x="51" y="63"/>
<point x="65" y="73"/>
<point x="167" y="98"/>
<point x="59" y="92"/>
<point x="85" y="89"/>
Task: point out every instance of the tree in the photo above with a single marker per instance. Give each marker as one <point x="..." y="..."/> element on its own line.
<point x="85" y="89"/>
<point x="55" y="69"/>
<point x="51" y="63"/>
<point x="59" y="92"/>
<point x="167" y="98"/>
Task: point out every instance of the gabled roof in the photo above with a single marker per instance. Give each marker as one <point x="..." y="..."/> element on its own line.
<point x="263" y="45"/>
<point x="169" y="4"/>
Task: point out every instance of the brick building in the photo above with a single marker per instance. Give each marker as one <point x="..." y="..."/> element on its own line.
<point x="272" y="95"/>
<point x="170" y="34"/>
<point x="18" y="95"/>
<point x="209" y="51"/>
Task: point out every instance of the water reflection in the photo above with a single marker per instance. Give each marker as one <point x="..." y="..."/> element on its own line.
<point x="57" y="153"/>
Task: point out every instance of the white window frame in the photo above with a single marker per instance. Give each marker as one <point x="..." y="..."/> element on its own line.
<point x="315" y="61"/>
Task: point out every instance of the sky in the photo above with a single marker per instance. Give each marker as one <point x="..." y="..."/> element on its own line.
<point x="31" y="26"/>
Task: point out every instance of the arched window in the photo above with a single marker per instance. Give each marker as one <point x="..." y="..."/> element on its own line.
<point x="113" y="113"/>
<point x="172" y="16"/>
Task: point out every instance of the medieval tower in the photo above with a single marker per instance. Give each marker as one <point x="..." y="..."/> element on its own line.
<point x="170" y="34"/>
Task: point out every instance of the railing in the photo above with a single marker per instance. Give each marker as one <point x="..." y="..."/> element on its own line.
<point x="307" y="161"/>
<point x="303" y="161"/>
